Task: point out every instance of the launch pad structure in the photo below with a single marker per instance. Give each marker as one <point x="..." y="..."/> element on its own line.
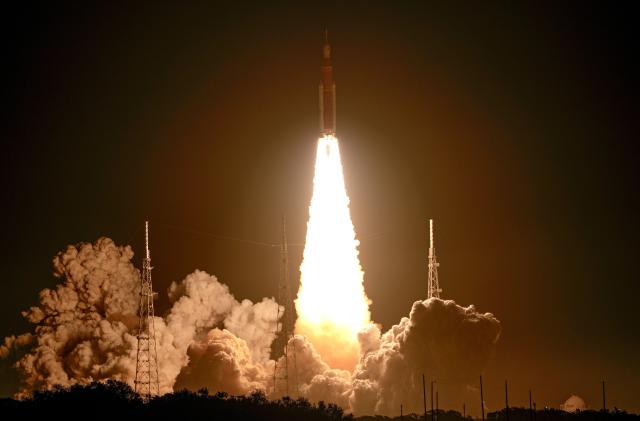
<point x="146" y="381"/>
<point x="433" y="285"/>
<point x="284" y="324"/>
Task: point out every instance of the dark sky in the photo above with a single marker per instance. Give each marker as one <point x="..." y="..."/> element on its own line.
<point x="513" y="126"/>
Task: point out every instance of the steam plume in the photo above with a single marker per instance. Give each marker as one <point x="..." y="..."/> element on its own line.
<point x="85" y="327"/>
<point x="439" y="338"/>
<point x="85" y="330"/>
<point x="573" y="404"/>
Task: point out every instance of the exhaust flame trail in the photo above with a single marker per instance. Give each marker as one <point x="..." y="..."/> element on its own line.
<point x="332" y="305"/>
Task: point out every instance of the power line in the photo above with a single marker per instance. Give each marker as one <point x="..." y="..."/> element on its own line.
<point x="250" y="241"/>
<point x="219" y="237"/>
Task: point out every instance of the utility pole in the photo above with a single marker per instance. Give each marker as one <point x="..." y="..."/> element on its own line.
<point x="481" y="398"/>
<point x="535" y="416"/>
<point x="604" y="397"/>
<point x="146" y="382"/>
<point x="432" y="413"/>
<point x="401" y="415"/>
<point x="530" y="407"/>
<point x="506" y="400"/>
<point x="437" y="406"/>
<point x="424" y="398"/>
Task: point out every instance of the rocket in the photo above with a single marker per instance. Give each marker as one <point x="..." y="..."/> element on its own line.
<point x="327" y="92"/>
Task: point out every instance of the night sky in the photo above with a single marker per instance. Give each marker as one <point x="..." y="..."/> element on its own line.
<point x="513" y="126"/>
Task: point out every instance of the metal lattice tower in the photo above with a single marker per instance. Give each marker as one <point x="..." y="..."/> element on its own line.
<point x="284" y="327"/>
<point x="146" y="382"/>
<point x="433" y="287"/>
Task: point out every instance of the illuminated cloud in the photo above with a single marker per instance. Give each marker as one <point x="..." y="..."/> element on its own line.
<point x="573" y="403"/>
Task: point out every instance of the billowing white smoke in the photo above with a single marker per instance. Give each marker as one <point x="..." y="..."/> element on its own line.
<point x="222" y="361"/>
<point x="86" y="327"/>
<point x="574" y="404"/>
<point x="86" y="330"/>
<point x="316" y="380"/>
<point x="440" y="339"/>
<point x="82" y="324"/>
<point x="14" y="343"/>
<point x="234" y="360"/>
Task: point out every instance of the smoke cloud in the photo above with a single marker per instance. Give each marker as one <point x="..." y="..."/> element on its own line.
<point x="574" y="404"/>
<point x="86" y="327"/>
<point x="439" y="338"/>
<point x="82" y="324"/>
<point x="85" y="330"/>
<point x="234" y="360"/>
<point x="222" y="361"/>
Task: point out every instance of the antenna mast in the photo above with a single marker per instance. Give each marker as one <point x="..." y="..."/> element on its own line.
<point x="146" y="382"/>
<point x="433" y="287"/>
<point x="284" y="324"/>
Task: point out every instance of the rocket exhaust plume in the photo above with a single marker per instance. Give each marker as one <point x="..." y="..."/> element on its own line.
<point x="332" y="305"/>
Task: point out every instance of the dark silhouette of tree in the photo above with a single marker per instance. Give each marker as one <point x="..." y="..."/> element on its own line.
<point x="115" y="401"/>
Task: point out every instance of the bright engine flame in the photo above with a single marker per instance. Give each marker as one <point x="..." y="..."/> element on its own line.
<point x="332" y="305"/>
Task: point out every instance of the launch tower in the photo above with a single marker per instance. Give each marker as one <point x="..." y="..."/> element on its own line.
<point x="285" y="324"/>
<point x="146" y="382"/>
<point x="433" y="287"/>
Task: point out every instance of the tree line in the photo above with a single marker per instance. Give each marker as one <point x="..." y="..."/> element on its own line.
<point x="114" y="400"/>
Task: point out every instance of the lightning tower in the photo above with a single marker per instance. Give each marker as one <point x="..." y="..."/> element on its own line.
<point x="146" y="382"/>
<point x="433" y="286"/>
<point x="285" y="322"/>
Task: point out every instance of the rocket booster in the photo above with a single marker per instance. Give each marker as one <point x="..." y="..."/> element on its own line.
<point x="327" y="92"/>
